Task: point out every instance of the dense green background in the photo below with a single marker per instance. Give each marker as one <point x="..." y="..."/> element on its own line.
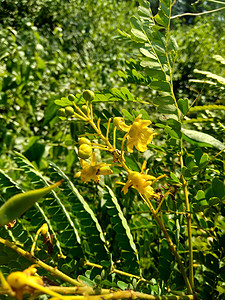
<point x="52" y="48"/>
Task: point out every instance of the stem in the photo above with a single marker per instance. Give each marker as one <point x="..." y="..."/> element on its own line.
<point x="171" y="244"/>
<point x="185" y="184"/>
<point x="40" y="263"/>
<point x="128" y="294"/>
<point x="35" y="241"/>
<point x="107" y="132"/>
<point x="110" y="146"/>
<point x="114" y="137"/>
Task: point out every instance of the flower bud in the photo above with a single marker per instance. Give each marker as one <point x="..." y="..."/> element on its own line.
<point x="88" y="95"/>
<point x="84" y="140"/>
<point x="44" y="229"/>
<point x="84" y="151"/>
<point x="84" y="109"/>
<point x="62" y="112"/>
<point x="71" y="97"/>
<point x="69" y="111"/>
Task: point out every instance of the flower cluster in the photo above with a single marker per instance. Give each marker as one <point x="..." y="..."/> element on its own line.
<point x="138" y="135"/>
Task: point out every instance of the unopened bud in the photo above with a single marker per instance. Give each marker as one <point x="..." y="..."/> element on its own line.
<point x="88" y="95"/>
<point x="71" y="97"/>
<point x="44" y="229"/>
<point x="62" y="112"/>
<point x="84" y="109"/>
<point x="69" y="111"/>
<point x="84" y="151"/>
<point x="84" y="140"/>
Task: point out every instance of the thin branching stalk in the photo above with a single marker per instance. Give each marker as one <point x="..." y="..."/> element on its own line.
<point x="171" y="244"/>
<point x="40" y="263"/>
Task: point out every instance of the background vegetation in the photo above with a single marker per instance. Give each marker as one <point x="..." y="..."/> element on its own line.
<point x="53" y="48"/>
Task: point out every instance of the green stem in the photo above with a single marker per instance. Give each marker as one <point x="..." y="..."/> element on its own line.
<point x="110" y="146"/>
<point x="187" y="204"/>
<point x="171" y="244"/>
<point x="184" y="182"/>
<point x="40" y="263"/>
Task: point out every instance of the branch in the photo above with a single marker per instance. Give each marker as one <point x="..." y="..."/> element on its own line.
<point x="198" y="14"/>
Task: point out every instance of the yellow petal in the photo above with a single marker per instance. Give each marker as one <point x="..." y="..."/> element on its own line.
<point x="93" y="159"/>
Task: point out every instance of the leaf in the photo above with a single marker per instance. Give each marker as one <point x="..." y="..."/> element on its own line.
<point x="123" y="233"/>
<point x="201" y="137"/>
<point x="162" y="18"/>
<point x="220" y="79"/>
<point x="63" y="102"/>
<point x="219" y="59"/>
<point x="162" y="86"/>
<point x="164" y="100"/>
<point x="202" y="202"/>
<point x="167" y="109"/>
<point x="86" y="281"/>
<point x="147" y="53"/>
<point x="127" y="93"/>
<point x="218" y="188"/>
<point x="204" y="160"/>
<point x="174" y="177"/>
<point x="183" y="105"/>
<point x="127" y="115"/>
<point x="41" y="211"/>
<point x="122" y="285"/>
<point x="139" y="34"/>
<point x="87" y="218"/>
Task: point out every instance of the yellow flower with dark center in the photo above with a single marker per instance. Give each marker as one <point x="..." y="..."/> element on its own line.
<point x="139" y="135"/>
<point x="93" y="170"/>
<point x="141" y="182"/>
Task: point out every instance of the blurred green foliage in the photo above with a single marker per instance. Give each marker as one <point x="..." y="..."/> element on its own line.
<point x="49" y="48"/>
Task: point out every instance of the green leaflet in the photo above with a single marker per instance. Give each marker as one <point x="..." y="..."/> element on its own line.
<point x="218" y="78"/>
<point x="219" y="58"/>
<point x="43" y="213"/>
<point x="87" y="219"/>
<point x="204" y="138"/>
<point x="206" y="107"/>
<point x="63" y="102"/>
<point x="157" y="51"/>
<point x="183" y="105"/>
<point x="123" y="234"/>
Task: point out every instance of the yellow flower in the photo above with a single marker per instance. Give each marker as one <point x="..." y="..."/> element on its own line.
<point x="139" y="135"/>
<point x="93" y="170"/>
<point x="142" y="183"/>
<point x="119" y="123"/>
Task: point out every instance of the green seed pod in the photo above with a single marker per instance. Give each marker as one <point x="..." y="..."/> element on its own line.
<point x="88" y="95"/>
<point x="71" y="97"/>
<point x="84" y="151"/>
<point x="69" y="111"/>
<point x="84" y="140"/>
<point x="62" y="112"/>
<point x="20" y="203"/>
